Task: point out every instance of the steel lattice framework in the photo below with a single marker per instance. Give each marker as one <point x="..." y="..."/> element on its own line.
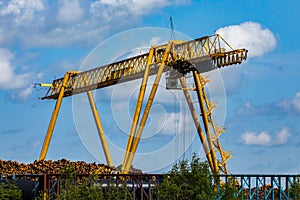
<point x="193" y="51"/>
<point x="177" y="58"/>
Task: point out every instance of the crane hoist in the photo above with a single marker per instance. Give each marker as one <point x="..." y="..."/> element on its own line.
<point x="176" y="59"/>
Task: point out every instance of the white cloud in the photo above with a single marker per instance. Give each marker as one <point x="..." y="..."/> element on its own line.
<point x="264" y="138"/>
<point x="249" y="35"/>
<point x="251" y="138"/>
<point x="111" y="9"/>
<point x="22" y="95"/>
<point x="38" y="23"/>
<point x="23" y="11"/>
<point x="70" y="12"/>
<point x="283" y="136"/>
<point x="9" y="80"/>
<point x="291" y="105"/>
<point x="247" y="108"/>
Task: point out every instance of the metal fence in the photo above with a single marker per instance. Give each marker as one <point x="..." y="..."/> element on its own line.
<point x="145" y="186"/>
<point x="264" y="187"/>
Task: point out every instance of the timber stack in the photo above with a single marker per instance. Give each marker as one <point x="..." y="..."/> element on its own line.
<point x="52" y="167"/>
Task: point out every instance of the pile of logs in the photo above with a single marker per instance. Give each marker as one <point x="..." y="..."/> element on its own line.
<point x="261" y="191"/>
<point x="52" y="167"/>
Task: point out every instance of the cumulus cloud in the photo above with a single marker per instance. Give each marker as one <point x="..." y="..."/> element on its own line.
<point x="264" y="137"/>
<point x="247" y="108"/>
<point x="249" y="35"/>
<point x="10" y="80"/>
<point x="22" y="11"/>
<point x="252" y="138"/>
<point x="282" y="136"/>
<point x="110" y="9"/>
<point x="291" y="105"/>
<point x="70" y="12"/>
<point x="22" y="95"/>
<point x="61" y="23"/>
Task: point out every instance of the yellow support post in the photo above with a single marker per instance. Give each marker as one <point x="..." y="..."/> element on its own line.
<point x="147" y="108"/>
<point x="138" y="108"/>
<point x="201" y="99"/>
<point x="224" y="155"/>
<point x="100" y="129"/>
<point x="197" y="124"/>
<point x="54" y="116"/>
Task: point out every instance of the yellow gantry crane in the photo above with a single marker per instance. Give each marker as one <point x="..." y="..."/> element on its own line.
<point x="176" y="59"/>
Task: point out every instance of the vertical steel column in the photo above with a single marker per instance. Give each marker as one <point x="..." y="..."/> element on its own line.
<point x="45" y="188"/>
<point x="100" y="129"/>
<point x="197" y="124"/>
<point x="224" y="155"/>
<point x="54" y="116"/>
<point x="147" y="108"/>
<point x="199" y="88"/>
<point x="138" y="108"/>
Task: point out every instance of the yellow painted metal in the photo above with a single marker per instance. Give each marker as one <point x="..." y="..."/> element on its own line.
<point x="46" y="84"/>
<point x="54" y="116"/>
<point x="132" y="151"/>
<point x="212" y="49"/>
<point x="199" y="88"/>
<point x="225" y="155"/>
<point x="134" y="68"/>
<point x="100" y="129"/>
<point x="197" y="124"/>
<point x="138" y="108"/>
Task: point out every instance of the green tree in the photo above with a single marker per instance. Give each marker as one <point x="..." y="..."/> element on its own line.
<point x="295" y="189"/>
<point x="188" y="181"/>
<point x="9" y="191"/>
<point x="82" y="190"/>
<point x="229" y="190"/>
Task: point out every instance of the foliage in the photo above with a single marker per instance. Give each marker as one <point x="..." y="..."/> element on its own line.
<point x="9" y="191"/>
<point x="188" y="181"/>
<point x="295" y="189"/>
<point x="84" y="189"/>
<point x="228" y="190"/>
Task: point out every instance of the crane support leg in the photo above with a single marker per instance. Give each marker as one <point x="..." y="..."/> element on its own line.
<point x="199" y="90"/>
<point x="100" y="129"/>
<point x="136" y="141"/>
<point x="197" y="124"/>
<point x="225" y="155"/>
<point x="54" y="117"/>
<point x="138" y="107"/>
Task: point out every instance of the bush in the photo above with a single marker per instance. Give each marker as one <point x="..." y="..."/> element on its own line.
<point x="85" y="190"/>
<point x="188" y="181"/>
<point x="229" y="190"/>
<point x="295" y="189"/>
<point x="9" y="191"/>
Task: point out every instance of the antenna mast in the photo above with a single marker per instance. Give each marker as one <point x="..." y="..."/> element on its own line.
<point x="172" y="29"/>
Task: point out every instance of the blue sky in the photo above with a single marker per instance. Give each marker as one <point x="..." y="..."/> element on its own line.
<point x="40" y="40"/>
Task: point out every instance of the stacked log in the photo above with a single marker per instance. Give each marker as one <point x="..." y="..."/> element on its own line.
<point x="52" y="167"/>
<point x="261" y="191"/>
